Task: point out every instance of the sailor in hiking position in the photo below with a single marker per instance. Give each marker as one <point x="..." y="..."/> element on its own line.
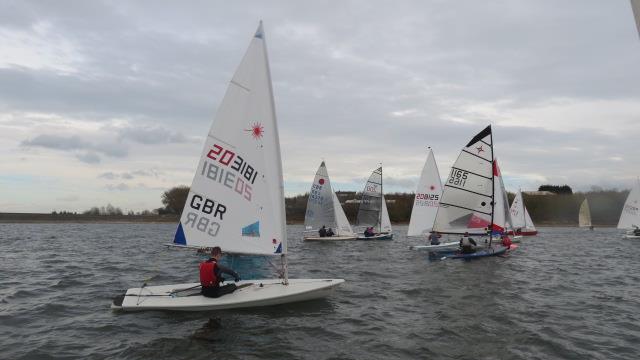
<point x="211" y="276"/>
<point x="467" y="244"/>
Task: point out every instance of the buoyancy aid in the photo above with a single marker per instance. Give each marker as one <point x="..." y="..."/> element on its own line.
<point x="208" y="276"/>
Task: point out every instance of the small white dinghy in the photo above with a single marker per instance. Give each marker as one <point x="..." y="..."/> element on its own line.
<point x="584" y="215"/>
<point x="324" y="209"/>
<point x="236" y="201"/>
<point x="372" y="211"/>
<point x="521" y="219"/>
<point x="425" y="206"/>
<point x="630" y="216"/>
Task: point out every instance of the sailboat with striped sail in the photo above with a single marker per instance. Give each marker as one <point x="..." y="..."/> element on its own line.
<point x="467" y="204"/>
<point x="236" y="201"/>
<point x="372" y="211"/>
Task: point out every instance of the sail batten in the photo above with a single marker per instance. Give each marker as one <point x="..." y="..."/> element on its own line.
<point x="466" y="204"/>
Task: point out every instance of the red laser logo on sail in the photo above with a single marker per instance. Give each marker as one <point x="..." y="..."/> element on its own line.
<point x="257" y="130"/>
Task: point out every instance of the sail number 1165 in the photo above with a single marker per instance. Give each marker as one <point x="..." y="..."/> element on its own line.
<point x="458" y="177"/>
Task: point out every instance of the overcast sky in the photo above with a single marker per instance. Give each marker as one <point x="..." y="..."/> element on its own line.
<point x="109" y="102"/>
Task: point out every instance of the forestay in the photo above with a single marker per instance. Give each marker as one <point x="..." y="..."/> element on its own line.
<point x="236" y="199"/>
<point x="425" y="203"/>
<point x="630" y="216"/>
<point x="466" y="204"/>
<point x="371" y="202"/>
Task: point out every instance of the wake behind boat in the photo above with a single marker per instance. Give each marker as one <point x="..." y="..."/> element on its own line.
<point x="236" y="200"/>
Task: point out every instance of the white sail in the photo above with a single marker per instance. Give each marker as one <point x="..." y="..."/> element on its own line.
<point x="371" y="203"/>
<point x="630" y="216"/>
<point x="584" y="217"/>
<point x="320" y="205"/>
<point x="517" y="211"/>
<point x="425" y="204"/>
<point x="236" y="199"/>
<point x="385" y="225"/>
<point x="528" y="222"/>
<point x="502" y="222"/>
<point x="342" y="223"/>
<point x="635" y="7"/>
<point x="465" y="205"/>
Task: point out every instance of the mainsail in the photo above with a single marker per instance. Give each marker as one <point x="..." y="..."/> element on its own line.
<point x="584" y="217"/>
<point x="630" y="216"/>
<point x="467" y="199"/>
<point x="323" y="206"/>
<point x="635" y="7"/>
<point x="370" y="209"/>
<point x="425" y="204"/>
<point x="320" y="209"/>
<point x="236" y="199"/>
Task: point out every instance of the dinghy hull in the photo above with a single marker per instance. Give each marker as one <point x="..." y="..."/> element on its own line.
<point x="329" y="238"/>
<point x="480" y="253"/>
<point x="445" y="246"/>
<point x="251" y="293"/>
<point x="376" y="237"/>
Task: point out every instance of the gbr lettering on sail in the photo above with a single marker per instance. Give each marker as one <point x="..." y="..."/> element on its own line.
<point x="220" y="167"/>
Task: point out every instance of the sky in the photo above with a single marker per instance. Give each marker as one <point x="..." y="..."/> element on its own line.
<point x="105" y="102"/>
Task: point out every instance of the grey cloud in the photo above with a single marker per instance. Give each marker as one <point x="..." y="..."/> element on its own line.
<point x="88" y="157"/>
<point x="117" y="187"/>
<point x="151" y="135"/>
<point x="108" y="175"/>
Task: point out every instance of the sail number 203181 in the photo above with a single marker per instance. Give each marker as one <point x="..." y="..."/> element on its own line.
<point x="458" y="177"/>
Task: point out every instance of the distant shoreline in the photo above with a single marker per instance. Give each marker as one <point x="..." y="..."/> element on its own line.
<point x="34" y="218"/>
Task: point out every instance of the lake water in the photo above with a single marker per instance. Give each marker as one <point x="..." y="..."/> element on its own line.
<point x="566" y="294"/>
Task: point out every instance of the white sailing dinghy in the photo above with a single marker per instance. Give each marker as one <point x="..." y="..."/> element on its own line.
<point x="324" y="209"/>
<point x="236" y="200"/>
<point x="502" y="221"/>
<point x="372" y="211"/>
<point x="520" y="216"/>
<point x="425" y="206"/>
<point x="630" y="216"/>
<point x="467" y="203"/>
<point x="584" y="216"/>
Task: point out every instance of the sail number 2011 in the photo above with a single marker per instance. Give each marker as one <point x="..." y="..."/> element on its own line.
<point x="458" y="177"/>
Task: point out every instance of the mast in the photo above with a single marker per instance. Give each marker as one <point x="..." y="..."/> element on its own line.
<point x="493" y="188"/>
<point x="283" y="223"/>
<point x="382" y="202"/>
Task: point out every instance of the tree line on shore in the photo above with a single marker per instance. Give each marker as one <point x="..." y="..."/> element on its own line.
<point x="561" y="208"/>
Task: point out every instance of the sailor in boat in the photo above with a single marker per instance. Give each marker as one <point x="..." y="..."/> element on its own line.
<point x="323" y="231"/>
<point x="506" y="241"/>
<point x="368" y="232"/>
<point x="330" y="232"/>
<point x="434" y="238"/>
<point x="211" y="276"/>
<point x="467" y="244"/>
<point x="636" y="230"/>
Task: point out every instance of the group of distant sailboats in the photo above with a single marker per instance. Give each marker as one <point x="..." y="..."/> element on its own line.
<point x="325" y="212"/>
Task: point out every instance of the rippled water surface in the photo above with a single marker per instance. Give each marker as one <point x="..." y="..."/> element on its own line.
<point x="566" y="294"/>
